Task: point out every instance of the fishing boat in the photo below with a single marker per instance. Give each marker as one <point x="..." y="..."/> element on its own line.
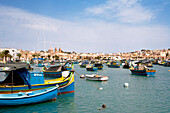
<point x="56" y="70"/>
<point x="91" y="68"/>
<point x="126" y="65"/>
<point x="96" y="77"/>
<point x="83" y="64"/>
<point x="32" y="97"/>
<point x="147" y="64"/>
<point x="35" y="80"/>
<point x="82" y="76"/>
<point x="114" y="65"/>
<point x="98" y="65"/>
<point x="142" y="70"/>
<point x="167" y="64"/>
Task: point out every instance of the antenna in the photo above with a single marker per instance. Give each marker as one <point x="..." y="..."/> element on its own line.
<point x="44" y="43"/>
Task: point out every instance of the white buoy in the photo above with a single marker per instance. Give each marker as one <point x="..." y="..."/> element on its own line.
<point x="100" y="88"/>
<point x="126" y="84"/>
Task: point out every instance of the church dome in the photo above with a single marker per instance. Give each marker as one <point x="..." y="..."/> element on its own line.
<point x="50" y="48"/>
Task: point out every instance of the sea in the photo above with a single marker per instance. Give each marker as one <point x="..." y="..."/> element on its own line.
<point x="144" y="94"/>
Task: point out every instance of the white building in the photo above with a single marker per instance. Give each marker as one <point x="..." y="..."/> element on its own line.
<point x="13" y="52"/>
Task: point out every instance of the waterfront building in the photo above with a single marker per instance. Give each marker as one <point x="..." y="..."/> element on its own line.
<point x="13" y="52"/>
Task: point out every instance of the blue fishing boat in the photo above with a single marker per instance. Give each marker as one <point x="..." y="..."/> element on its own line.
<point x="28" y="97"/>
<point x="142" y="70"/>
<point x="24" y="81"/>
<point x="114" y="65"/>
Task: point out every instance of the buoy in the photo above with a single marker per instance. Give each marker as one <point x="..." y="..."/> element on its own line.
<point x="126" y="84"/>
<point x="100" y="88"/>
<point x="103" y="107"/>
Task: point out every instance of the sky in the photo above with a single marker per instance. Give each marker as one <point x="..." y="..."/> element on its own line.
<point x="85" y="26"/>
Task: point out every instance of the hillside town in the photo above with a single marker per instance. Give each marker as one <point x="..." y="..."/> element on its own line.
<point x="12" y="54"/>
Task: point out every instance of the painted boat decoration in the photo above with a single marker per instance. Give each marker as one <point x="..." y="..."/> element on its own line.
<point x="22" y="98"/>
<point x="35" y="80"/>
<point x="96" y="77"/>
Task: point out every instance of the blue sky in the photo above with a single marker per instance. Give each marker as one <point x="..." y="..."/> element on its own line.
<point x="107" y="26"/>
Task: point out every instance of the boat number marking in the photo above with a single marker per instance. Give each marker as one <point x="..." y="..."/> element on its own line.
<point x="37" y="74"/>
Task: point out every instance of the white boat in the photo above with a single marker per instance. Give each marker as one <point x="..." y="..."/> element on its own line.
<point x="82" y="76"/>
<point x="96" y="77"/>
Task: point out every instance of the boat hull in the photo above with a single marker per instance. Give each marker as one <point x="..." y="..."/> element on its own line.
<point x="29" y="98"/>
<point x="126" y="66"/>
<point x="102" y="78"/>
<point x="66" y="86"/>
<point x="91" y="69"/>
<point x="143" y="72"/>
<point x="114" y="66"/>
<point x="83" y="66"/>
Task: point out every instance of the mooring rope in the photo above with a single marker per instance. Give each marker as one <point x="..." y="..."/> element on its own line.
<point x="76" y="72"/>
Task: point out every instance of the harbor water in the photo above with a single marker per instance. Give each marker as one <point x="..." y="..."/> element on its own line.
<point x="144" y="94"/>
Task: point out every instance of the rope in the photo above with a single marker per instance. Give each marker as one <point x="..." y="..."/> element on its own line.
<point x="93" y="85"/>
<point x="76" y="72"/>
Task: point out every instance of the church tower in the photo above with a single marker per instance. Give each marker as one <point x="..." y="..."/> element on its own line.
<point x="55" y="49"/>
<point x="59" y="50"/>
<point x="50" y="50"/>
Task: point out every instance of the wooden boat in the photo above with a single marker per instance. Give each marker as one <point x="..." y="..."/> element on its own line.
<point x="167" y="64"/>
<point x="91" y="68"/>
<point x="22" y="98"/>
<point x="96" y="77"/>
<point x="114" y="65"/>
<point x="98" y="65"/>
<point x="83" y="64"/>
<point x="56" y="70"/>
<point x="82" y="76"/>
<point x="126" y="65"/>
<point x="35" y="80"/>
<point x="141" y="70"/>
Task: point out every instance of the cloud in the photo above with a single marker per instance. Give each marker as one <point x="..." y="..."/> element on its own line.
<point x="25" y="30"/>
<point x="126" y="11"/>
